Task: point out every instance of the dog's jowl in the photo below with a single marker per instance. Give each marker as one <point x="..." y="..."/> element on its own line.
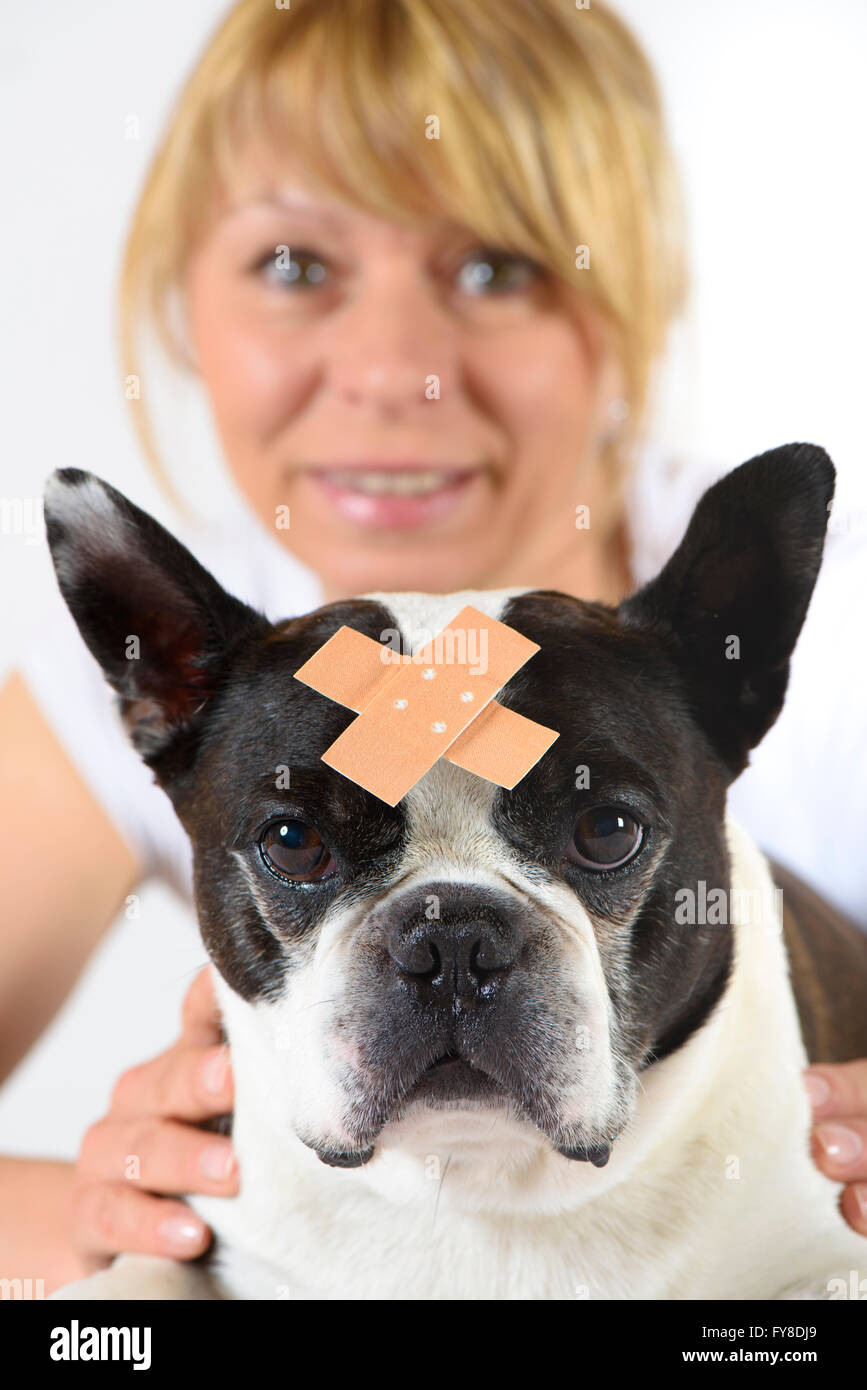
<point x="480" y="1050"/>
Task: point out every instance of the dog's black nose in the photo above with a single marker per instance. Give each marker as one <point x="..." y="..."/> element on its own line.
<point x="460" y="962"/>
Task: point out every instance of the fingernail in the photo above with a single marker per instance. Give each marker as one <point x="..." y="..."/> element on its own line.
<point x="861" y="1198"/>
<point x="817" y="1089"/>
<point x="840" y="1143"/>
<point x="217" y="1161"/>
<point x="215" y="1070"/>
<point x="181" y="1231"/>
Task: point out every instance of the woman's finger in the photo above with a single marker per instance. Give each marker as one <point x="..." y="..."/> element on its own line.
<point x="840" y="1148"/>
<point x="200" y="1014"/>
<point x="185" y="1083"/>
<point x="159" y="1156"/>
<point x="110" y="1218"/>
<point x="837" y="1090"/>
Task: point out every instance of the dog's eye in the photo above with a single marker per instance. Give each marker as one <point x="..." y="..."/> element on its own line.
<point x="605" y="838"/>
<point x="296" y="851"/>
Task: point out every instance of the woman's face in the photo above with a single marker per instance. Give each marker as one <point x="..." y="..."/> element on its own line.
<point x="427" y="409"/>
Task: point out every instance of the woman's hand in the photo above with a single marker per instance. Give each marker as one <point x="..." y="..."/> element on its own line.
<point x="145" y="1149"/>
<point x="838" y="1095"/>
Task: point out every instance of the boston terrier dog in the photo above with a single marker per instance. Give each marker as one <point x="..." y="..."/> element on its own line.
<point x="534" y="1043"/>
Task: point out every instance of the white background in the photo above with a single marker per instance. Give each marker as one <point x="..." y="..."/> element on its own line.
<point x="768" y="110"/>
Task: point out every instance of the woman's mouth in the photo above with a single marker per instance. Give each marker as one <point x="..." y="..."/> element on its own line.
<point x="395" y="496"/>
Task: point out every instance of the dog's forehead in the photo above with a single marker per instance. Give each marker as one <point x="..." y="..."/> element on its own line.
<point x="600" y="687"/>
<point x="264" y="712"/>
<point x="589" y="674"/>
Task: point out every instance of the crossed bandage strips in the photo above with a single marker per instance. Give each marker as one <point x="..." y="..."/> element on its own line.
<point x="414" y="710"/>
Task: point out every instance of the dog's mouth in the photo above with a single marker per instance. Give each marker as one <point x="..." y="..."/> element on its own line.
<point x="446" y="1083"/>
<point x="452" y="1079"/>
<point x="451" y="1082"/>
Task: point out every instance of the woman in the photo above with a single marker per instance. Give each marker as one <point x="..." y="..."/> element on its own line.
<point x="422" y="257"/>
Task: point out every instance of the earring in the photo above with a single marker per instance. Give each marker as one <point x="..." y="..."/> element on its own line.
<point x="615" y="416"/>
<point x="618" y="412"/>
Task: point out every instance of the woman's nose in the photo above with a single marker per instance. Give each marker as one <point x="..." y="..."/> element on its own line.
<point x="393" y="346"/>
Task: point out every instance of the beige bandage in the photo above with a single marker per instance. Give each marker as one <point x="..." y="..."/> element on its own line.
<point x="413" y="710"/>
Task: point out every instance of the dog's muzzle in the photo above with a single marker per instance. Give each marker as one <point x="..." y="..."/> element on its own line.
<point x="463" y="994"/>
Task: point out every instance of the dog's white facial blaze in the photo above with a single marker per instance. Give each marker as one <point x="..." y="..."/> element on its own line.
<point x="421" y="616"/>
<point x="452" y="839"/>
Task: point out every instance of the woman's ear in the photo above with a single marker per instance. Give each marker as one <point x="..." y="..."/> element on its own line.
<point x="611" y="407"/>
<point x="730" y="603"/>
<point x="158" y="623"/>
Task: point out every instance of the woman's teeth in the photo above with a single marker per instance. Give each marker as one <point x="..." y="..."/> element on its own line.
<point x="415" y="483"/>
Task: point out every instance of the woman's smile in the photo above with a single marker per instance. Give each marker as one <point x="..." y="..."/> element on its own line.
<point x="386" y="496"/>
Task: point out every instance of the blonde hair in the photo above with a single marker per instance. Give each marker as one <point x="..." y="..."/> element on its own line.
<point x="551" y="137"/>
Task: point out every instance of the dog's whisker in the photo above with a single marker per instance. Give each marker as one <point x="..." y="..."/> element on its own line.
<point x="439" y="1190"/>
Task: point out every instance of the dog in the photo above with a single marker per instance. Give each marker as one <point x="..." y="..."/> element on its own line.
<point x="482" y="1048"/>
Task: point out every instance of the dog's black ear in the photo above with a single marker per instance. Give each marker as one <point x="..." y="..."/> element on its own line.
<point x="731" y="601"/>
<point x="159" y="624"/>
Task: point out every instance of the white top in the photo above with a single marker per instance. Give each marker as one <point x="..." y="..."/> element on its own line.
<point x="803" y="798"/>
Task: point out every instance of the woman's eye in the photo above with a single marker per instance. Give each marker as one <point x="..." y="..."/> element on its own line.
<point x="497" y="271"/>
<point x="605" y="838"/>
<point x="299" y="269"/>
<point x="296" y="851"/>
